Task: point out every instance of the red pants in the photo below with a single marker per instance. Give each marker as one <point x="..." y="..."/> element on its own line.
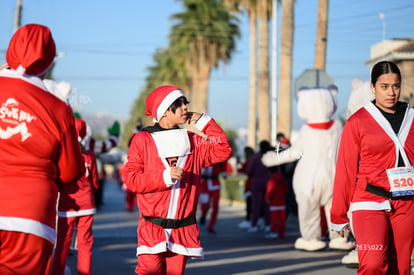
<point x="166" y="263"/>
<point x="22" y="253"/>
<point x="278" y="222"/>
<point x="130" y="200"/>
<point x="385" y="240"/>
<point x="213" y="201"/>
<point x="64" y="239"/>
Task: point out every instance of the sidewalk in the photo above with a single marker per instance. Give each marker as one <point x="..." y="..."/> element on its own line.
<point x="230" y="251"/>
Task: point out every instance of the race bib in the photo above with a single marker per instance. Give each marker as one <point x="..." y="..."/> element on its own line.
<point x="401" y="181"/>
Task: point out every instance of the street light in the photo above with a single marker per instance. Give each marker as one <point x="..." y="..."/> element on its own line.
<point x="382" y="17"/>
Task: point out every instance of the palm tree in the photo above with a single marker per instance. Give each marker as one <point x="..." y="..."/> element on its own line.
<point x="264" y="11"/>
<point x="285" y="83"/>
<point x="321" y="35"/>
<point x="207" y="31"/>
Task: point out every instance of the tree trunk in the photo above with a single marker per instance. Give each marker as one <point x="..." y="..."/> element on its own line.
<point x="285" y="82"/>
<point x="264" y="87"/>
<point x="200" y="84"/>
<point x="321" y="35"/>
<point x="252" y="127"/>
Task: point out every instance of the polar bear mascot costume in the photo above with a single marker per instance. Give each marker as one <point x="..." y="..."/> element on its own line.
<point x="316" y="147"/>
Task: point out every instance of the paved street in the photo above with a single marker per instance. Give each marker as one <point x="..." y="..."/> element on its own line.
<point x="230" y="251"/>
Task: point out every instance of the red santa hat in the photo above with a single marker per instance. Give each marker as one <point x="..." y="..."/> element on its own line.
<point x="160" y="99"/>
<point x="80" y="126"/>
<point x="31" y="50"/>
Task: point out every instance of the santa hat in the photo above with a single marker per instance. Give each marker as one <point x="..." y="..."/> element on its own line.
<point x="80" y="126"/>
<point x="160" y="99"/>
<point x="284" y="143"/>
<point x="31" y="50"/>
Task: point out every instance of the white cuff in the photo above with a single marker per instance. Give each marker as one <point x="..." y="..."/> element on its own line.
<point x="339" y="227"/>
<point x="202" y="122"/>
<point x="167" y="177"/>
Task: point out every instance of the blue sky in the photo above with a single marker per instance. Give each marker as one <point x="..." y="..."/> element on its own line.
<point x="107" y="46"/>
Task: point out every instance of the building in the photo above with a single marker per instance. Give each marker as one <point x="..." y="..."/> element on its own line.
<point x="401" y="52"/>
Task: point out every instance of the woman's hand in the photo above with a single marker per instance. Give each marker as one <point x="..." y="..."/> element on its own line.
<point x="342" y="232"/>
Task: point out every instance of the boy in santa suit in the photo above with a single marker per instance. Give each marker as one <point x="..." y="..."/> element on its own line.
<point x="39" y="151"/>
<point x="210" y="192"/>
<point x="76" y="207"/>
<point x="164" y="169"/>
<point x="276" y="192"/>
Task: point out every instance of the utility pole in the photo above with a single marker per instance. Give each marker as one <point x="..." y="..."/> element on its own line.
<point x="274" y="74"/>
<point x="18" y="16"/>
<point x="321" y="35"/>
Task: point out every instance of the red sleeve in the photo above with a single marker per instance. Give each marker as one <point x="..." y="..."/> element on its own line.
<point x="216" y="148"/>
<point x="269" y="189"/>
<point x="346" y="173"/>
<point x="137" y="177"/>
<point x="94" y="172"/>
<point x="70" y="162"/>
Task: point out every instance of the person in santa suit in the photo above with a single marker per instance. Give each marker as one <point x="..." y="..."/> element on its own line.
<point x="374" y="180"/>
<point x="76" y="208"/>
<point x="130" y="197"/>
<point x="276" y="192"/>
<point x="210" y="192"/>
<point x="164" y="169"/>
<point x="247" y="194"/>
<point x="39" y="151"/>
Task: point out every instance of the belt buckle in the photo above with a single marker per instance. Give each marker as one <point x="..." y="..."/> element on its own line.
<point x="169" y="223"/>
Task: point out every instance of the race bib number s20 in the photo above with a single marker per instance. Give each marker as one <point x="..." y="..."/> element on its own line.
<point x="401" y="181"/>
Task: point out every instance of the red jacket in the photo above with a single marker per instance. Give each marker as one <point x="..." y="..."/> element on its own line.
<point x="147" y="172"/>
<point x="38" y="149"/>
<point x="365" y="152"/>
<point x="77" y="198"/>
<point x="276" y="190"/>
<point x="210" y="177"/>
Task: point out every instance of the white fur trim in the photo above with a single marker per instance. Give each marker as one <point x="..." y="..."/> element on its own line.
<point x="339" y="227"/>
<point x="167" y="101"/>
<point x="370" y="205"/>
<point x="158" y="248"/>
<point x="20" y="70"/>
<point x="28" y="78"/>
<point x="78" y="213"/>
<point x="162" y="247"/>
<point x="277" y="207"/>
<point x="202" y="122"/>
<point x="167" y="177"/>
<point x="28" y="226"/>
<point x="180" y="249"/>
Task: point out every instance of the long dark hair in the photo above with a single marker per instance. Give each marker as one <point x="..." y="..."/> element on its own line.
<point x="384" y="67"/>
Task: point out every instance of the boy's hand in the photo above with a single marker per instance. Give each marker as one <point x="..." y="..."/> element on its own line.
<point x="177" y="173"/>
<point x="192" y="117"/>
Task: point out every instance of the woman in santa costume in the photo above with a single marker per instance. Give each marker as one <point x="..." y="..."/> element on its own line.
<point x="76" y="208"/>
<point x="164" y="168"/>
<point x="210" y="192"/>
<point x="374" y="178"/>
<point x="39" y="151"/>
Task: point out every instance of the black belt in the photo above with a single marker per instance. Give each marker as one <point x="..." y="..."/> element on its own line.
<point x="383" y="193"/>
<point x="171" y="223"/>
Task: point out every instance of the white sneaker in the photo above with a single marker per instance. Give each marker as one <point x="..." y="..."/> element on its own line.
<point x="351" y="259"/>
<point x="253" y="229"/>
<point x="244" y="224"/>
<point x="267" y="228"/>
